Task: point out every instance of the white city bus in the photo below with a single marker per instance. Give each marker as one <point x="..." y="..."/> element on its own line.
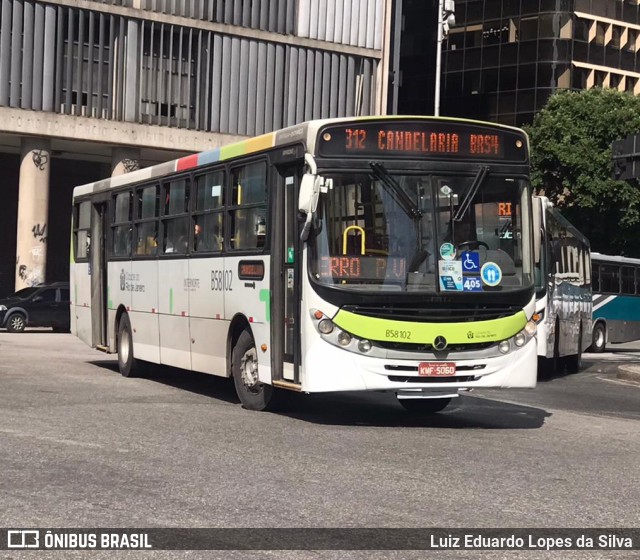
<point x="336" y="255"/>
<point x="563" y="288"/>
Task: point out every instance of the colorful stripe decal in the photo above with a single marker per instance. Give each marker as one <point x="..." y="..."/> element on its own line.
<point x="212" y="156"/>
<point x="374" y="328"/>
<point x="187" y="162"/>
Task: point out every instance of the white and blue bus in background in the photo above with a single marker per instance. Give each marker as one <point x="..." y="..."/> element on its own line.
<point x="616" y="300"/>
<point x="563" y="290"/>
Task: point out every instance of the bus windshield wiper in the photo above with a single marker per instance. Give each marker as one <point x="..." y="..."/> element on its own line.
<point x="473" y="189"/>
<point x="397" y="192"/>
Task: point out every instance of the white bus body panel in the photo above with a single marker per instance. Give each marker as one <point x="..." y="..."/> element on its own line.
<point x="81" y="310"/>
<point x="207" y="320"/>
<point x="173" y="313"/>
<point x="251" y="298"/>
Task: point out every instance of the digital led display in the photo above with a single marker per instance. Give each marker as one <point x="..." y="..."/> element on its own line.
<point x="423" y="139"/>
<point x="362" y="268"/>
<point x="251" y="270"/>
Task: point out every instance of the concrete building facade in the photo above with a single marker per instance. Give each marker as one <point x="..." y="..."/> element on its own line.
<point x="92" y="88"/>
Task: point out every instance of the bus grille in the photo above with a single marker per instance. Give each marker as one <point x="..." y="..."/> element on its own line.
<point x="459" y="379"/>
<point x="408" y="347"/>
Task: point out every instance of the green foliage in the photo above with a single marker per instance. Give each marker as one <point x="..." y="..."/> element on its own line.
<point x="571" y="162"/>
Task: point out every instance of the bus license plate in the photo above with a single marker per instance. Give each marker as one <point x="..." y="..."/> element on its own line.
<point x="437" y="369"/>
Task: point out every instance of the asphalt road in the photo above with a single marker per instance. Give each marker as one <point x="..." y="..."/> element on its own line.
<point x="81" y="446"/>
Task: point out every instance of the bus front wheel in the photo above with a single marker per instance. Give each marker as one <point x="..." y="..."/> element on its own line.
<point x="599" y="338"/>
<point x="424" y="406"/>
<point x="253" y="394"/>
<point x="127" y="364"/>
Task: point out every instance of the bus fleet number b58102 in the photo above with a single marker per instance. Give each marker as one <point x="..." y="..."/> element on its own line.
<point x="221" y="280"/>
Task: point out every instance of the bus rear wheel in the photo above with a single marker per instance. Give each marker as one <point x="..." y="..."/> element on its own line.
<point x="599" y="338"/>
<point x="127" y="364"/>
<point x="253" y="394"/>
<point x="424" y="406"/>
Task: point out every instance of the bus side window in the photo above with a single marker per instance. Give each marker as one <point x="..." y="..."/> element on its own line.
<point x="176" y="223"/>
<point x="249" y="196"/>
<point x="147" y="226"/>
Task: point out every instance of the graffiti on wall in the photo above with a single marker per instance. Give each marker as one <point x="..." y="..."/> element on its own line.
<point x="130" y="165"/>
<point x="40" y="232"/>
<point x="40" y="159"/>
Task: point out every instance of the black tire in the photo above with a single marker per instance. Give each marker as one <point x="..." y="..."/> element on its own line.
<point x="424" y="406"/>
<point x="16" y="323"/>
<point x="545" y="368"/>
<point x="599" y="338"/>
<point x="556" y="364"/>
<point x="127" y="364"/>
<point x="574" y="363"/>
<point x="253" y="394"/>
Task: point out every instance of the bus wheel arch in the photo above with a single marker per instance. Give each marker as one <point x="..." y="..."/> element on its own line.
<point x="599" y="337"/>
<point x="253" y="394"/>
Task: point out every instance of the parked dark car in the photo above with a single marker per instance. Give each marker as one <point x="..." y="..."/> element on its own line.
<point x="44" y="305"/>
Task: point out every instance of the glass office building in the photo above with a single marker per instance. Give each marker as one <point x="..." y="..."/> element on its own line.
<point x="504" y="58"/>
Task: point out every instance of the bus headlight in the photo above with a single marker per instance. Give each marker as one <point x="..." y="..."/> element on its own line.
<point x="325" y="326"/>
<point x="344" y="338"/>
<point x="364" y="346"/>
<point x="520" y="339"/>
<point x="530" y="328"/>
<point x="504" y="347"/>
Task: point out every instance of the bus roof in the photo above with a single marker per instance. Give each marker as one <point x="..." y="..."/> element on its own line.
<point x="305" y="133"/>
<point x="614" y="259"/>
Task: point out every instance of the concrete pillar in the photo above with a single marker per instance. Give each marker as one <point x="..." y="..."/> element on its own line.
<point x="33" y="208"/>
<point x="124" y="160"/>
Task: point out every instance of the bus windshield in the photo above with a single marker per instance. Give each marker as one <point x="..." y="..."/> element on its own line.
<point x="380" y="231"/>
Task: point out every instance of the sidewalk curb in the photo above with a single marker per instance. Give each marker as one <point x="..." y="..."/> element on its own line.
<point x="629" y="373"/>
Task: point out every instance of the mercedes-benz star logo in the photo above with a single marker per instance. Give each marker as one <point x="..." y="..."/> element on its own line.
<point x="440" y="343"/>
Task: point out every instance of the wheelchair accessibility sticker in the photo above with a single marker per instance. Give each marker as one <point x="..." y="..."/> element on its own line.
<point x="491" y="274"/>
<point x="470" y="262"/>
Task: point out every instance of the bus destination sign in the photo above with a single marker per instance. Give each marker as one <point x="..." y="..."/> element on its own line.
<point x="422" y="139"/>
<point x="362" y="268"/>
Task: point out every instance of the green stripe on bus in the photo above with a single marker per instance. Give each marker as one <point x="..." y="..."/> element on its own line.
<point x="170" y="301"/>
<point x="374" y="328"/>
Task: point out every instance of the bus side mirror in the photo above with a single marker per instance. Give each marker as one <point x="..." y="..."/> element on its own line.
<point x="310" y="188"/>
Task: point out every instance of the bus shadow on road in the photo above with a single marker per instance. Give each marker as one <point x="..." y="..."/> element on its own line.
<point x="357" y="409"/>
<point x="382" y="410"/>
<point x="213" y="386"/>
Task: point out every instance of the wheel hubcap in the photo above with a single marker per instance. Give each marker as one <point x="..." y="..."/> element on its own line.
<point x="17" y="323"/>
<point x="249" y="369"/>
<point x="599" y="338"/>
<point x="124" y="349"/>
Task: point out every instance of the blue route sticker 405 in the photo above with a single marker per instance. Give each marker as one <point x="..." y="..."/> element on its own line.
<point x="471" y="284"/>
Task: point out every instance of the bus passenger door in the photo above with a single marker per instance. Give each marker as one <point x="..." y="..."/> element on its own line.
<point x="285" y="279"/>
<point x="98" y="272"/>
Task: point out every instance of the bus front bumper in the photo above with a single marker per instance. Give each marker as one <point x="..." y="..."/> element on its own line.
<point x="329" y="368"/>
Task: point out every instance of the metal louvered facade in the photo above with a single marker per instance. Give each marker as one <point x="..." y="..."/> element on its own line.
<point x="239" y="67"/>
<point x="92" y="87"/>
